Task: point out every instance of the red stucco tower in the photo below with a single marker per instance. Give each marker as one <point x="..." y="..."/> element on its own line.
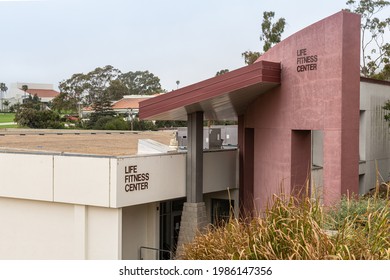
<point x="319" y="91"/>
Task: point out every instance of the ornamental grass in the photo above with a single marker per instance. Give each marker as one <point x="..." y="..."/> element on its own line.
<point x="301" y="229"/>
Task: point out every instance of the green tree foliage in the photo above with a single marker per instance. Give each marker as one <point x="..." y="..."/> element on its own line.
<point x="32" y="114"/>
<point x="99" y="80"/>
<point x="3" y="90"/>
<point x="141" y="83"/>
<point x="25" y="88"/>
<point x="76" y="87"/>
<point x="6" y="104"/>
<point x="117" y="89"/>
<point x="38" y="118"/>
<point x="102" y="108"/>
<point x="87" y="88"/>
<point x="250" y="57"/>
<point x="117" y="124"/>
<point x="221" y="72"/>
<point x="271" y="31"/>
<point x="111" y="123"/>
<point x="387" y="108"/>
<point x="384" y="74"/>
<point x="271" y="34"/>
<point x="375" y="51"/>
<point x="143" y="125"/>
<point x="109" y="81"/>
<point x="33" y="102"/>
<point x="170" y="124"/>
<point x="98" y="88"/>
<point x="64" y="102"/>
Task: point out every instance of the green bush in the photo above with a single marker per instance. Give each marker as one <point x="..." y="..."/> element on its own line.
<point x="116" y="124"/>
<point x="110" y="123"/>
<point x="357" y="209"/>
<point x="33" y="118"/>
<point x="142" y="125"/>
<point x="101" y="122"/>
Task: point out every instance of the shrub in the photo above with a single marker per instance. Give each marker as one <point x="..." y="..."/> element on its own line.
<point x="355" y="209"/>
<point x="295" y="229"/>
<point x="363" y="225"/>
<point x="33" y="118"/>
<point x="143" y="125"/>
<point x="116" y="124"/>
<point x="100" y="123"/>
<point x="110" y="123"/>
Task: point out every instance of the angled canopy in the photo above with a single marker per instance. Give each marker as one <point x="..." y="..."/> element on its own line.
<point x="223" y="97"/>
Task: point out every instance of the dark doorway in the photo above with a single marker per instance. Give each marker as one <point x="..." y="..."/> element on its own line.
<point x="222" y="210"/>
<point x="247" y="148"/>
<point x="300" y="162"/>
<point x="170" y="218"/>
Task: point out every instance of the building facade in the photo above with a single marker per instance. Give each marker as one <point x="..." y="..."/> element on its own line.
<point x="308" y="82"/>
<point x="301" y="109"/>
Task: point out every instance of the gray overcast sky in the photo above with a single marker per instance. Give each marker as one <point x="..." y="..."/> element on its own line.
<point x="189" y="41"/>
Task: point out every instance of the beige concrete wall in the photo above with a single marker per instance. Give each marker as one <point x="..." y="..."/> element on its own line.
<point x="140" y="227"/>
<point x="66" y="179"/>
<point x="82" y="180"/>
<point x="36" y="230"/>
<point x="220" y="170"/>
<point x="104" y="233"/>
<point x="26" y="176"/>
<point x="46" y="230"/>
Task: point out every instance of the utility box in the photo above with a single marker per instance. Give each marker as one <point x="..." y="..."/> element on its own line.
<point x="214" y="137"/>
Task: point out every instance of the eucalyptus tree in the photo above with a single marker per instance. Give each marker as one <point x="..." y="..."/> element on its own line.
<point x="375" y="47"/>
<point x="271" y="34"/>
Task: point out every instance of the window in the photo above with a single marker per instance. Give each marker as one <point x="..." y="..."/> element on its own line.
<point x="221" y="211"/>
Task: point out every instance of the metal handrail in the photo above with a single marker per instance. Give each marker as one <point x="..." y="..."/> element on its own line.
<point x="156" y="250"/>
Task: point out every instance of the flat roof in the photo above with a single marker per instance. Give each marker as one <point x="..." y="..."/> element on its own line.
<point x="105" y="143"/>
<point x="374" y="81"/>
<point x="42" y="93"/>
<point x="223" y="97"/>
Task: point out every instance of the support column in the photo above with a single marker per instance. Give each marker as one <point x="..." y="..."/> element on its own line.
<point x="195" y="158"/>
<point x="194" y="218"/>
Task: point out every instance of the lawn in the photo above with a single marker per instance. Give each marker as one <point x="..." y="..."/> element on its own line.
<point x="8" y="126"/>
<point x="7" y="117"/>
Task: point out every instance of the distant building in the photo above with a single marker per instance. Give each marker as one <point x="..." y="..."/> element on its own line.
<point x="129" y="104"/>
<point x="45" y="92"/>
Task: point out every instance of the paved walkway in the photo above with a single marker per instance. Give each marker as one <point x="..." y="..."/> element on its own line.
<point x="7" y="123"/>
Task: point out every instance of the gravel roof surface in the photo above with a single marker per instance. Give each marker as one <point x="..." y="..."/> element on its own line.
<point x="107" y="143"/>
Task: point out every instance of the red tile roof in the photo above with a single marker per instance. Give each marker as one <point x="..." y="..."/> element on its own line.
<point x="128" y="103"/>
<point x="42" y="93"/>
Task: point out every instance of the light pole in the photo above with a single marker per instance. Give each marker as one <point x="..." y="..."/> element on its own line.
<point x="130" y="117"/>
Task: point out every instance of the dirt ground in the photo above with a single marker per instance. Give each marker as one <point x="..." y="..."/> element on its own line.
<point x="108" y="143"/>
